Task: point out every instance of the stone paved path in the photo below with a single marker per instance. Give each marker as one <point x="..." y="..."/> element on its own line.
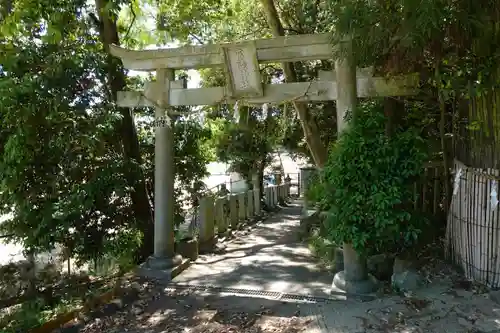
<point x="269" y="260"/>
<point x="269" y="257"/>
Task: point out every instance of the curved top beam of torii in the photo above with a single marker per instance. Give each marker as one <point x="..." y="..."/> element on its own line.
<point x="241" y="62"/>
<point x="281" y="49"/>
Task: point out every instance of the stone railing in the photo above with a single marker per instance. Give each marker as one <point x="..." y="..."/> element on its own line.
<point x="218" y="216"/>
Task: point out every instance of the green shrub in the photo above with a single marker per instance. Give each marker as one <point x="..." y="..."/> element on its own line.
<point x="367" y="184"/>
<point x="321" y="247"/>
<point x="315" y="190"/>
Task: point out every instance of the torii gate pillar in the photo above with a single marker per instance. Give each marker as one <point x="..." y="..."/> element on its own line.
<point x="164" y="257"/>
<point x="354" y="278"/>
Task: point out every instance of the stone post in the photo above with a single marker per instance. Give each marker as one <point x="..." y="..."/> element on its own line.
<point x="255" y="181"/>
<point x="207" y="225"/>
<point x="283" y="192"/>
<point x="220" y="217"/>
<point x="242" y="209"/>
<point x="299" y="185"/>
<point x="271" y="195"/>
<point x="267" y="195"/>
<point x="256" y="194"/>
<point x="275" y="195"/>
<point x="233" y="211"/>
<point x="305" y="176"/>
<point x="287" y="189"/>
<point x="277" y="176"/>
<point x="250" y="205"/>
<point x="164" y="242"/>
<point x="269" y="198"/>
<point x="354" y="278"/>
<point x="256" y="202"/>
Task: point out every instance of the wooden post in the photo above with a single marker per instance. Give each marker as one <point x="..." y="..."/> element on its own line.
<point x="163" y="257"/>
<point x="354" y="278"/>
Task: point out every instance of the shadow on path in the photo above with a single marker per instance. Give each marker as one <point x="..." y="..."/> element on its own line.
<point x="269" y="258"/>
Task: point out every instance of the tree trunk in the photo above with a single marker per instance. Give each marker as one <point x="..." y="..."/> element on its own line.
<point x="394" y="113"/>
<point x="126" y="131"/>
<point x="309" y="125"/>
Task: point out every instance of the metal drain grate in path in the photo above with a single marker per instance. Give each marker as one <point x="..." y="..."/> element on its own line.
<point x="248" y="293"/>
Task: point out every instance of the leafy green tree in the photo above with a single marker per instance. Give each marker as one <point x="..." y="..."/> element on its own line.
<point x="77" y="170"/>
<point x="248" y="145"/>
<point x="367" y="182"/>
<point x="453" y="44"/>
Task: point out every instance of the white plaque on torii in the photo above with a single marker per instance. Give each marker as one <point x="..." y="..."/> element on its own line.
<point x="242" y="70"/>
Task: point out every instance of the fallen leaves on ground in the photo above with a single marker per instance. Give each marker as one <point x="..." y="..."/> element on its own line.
<point x="156" y="310"/>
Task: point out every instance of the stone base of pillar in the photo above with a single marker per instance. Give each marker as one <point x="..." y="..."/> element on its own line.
<point x="354" y="278"/>
<point x="240" y="225"/>
<point x="188" y="248"/>
<point x="164" y="262"/>
<point x="252" y="220"/>
<point x="163" y="268"/>
<point x="366" y="286"/>
<point x="207" y="246"/>
<point x="225" y="233"/>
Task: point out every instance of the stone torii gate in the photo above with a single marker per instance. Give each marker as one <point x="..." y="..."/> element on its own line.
<point x="243" y="83"/>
